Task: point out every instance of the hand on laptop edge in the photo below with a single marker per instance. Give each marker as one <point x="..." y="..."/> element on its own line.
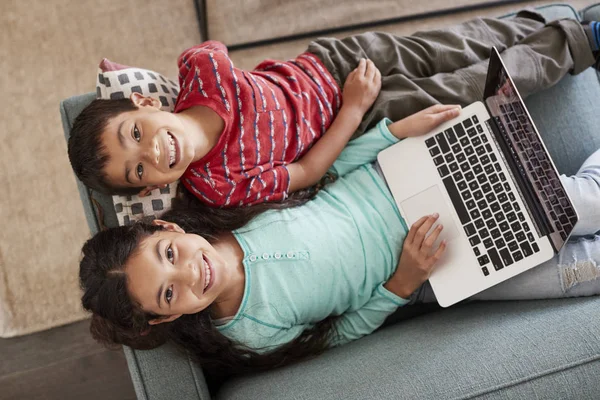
<point x="424" y="121"/>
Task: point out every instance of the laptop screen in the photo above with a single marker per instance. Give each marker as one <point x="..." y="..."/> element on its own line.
<point x="527" y="156"/>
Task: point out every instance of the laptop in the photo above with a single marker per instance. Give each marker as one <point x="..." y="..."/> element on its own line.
<point x="492" y="181"/>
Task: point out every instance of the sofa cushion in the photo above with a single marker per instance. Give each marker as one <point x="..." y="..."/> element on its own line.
<point x="568" y="120"/>
<point x="117" y="81"/>
<point x="547" y="349"/>
<point x="165" y="373"/>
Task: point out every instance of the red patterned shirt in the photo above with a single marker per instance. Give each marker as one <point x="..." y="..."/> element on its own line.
<point x="272" y="116"/>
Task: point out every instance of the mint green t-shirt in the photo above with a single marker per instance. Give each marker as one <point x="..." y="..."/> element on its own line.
<point x="330" y="256"/>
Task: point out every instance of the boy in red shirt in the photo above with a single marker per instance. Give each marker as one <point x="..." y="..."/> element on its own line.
<point x="244" y="137"/>
<point x="235" y="137"/>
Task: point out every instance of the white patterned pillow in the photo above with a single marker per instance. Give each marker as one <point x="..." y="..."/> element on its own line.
<point x="116" y="81"/>
<point x="135" y="208"/>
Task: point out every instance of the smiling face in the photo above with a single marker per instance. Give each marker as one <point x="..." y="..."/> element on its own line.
<point x="147" y="147"/>
<point x="174" y="273"/>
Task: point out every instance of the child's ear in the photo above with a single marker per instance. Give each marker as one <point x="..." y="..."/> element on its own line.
<point x="140" y="100"/>
<point x="170" y="226"/>
<point x="163" y="320"/>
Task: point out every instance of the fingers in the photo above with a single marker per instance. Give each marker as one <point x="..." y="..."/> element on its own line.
<point x="438" y="253"/>
<point x="377" y="78"/>
<point x="448" y="115"/>
<point x="425" y="226"/>
<point x="440" y="113"/>
<point x="351" y="76"/>
<point x="440" y="108"/>
<point x="370" y="71"/>
<point x="362" y="66"/>
<point x="359" y="71"/>
<point x="367" y="69"/>
<point x="430" y="240"/>
<point x="422" y="231"/>
<point x="414" y="228"/>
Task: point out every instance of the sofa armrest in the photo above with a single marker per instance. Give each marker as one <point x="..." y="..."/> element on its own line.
<point x="98" y="207"/>
<point x="69" y="109"/>
<point x="165" y="373"/>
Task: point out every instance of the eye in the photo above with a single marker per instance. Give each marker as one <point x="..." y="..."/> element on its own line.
<point x="169" y="294"/>
<point x="170" y="254"/>
<point x="139" y="170"/>
<point x="136" y="134"/>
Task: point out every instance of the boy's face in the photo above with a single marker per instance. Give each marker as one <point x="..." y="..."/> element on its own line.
<point x="146" y="147"/>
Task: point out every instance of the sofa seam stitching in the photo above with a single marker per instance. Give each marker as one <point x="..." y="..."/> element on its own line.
<point x="531" y="378"/>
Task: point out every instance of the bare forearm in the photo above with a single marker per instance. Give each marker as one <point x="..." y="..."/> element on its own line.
<point x="314" y="164"/>
<point x="398" y="288"/>
<point x="398" y="129"/>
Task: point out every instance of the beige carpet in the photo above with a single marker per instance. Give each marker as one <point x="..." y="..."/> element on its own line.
<point x="49" y="51"/>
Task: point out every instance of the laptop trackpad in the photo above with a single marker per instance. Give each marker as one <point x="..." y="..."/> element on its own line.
<point x="427" y="202"/>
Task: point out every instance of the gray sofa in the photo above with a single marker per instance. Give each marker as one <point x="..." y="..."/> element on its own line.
<point x="547" y="349"/>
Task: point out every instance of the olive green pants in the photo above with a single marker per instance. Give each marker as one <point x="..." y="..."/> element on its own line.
<point x="449" y="65"/>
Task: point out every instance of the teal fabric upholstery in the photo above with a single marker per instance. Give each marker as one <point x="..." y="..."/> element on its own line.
<point x="546" y="349"/>
<point x="165" y="373"/>
<point x="500" y="350"/>
<point x="98" y="207"/>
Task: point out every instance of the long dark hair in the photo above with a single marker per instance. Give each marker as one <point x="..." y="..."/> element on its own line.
<point x="214" y="220"/>
<point x="117" y="319"/>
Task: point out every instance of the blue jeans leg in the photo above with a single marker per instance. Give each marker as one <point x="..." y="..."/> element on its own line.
<point x="584" y="190"/>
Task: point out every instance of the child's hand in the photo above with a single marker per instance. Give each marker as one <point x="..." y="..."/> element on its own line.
<point x="424" y="121"/>
<point x="418" y="257"/>
<point x="362" y="87"/>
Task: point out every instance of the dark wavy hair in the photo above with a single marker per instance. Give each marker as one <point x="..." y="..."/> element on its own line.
<point x="87" y="154"/>
<point x="215" y="219"/>
<point x="119" y="320"/>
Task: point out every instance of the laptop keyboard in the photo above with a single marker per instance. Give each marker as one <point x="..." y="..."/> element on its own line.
<point x="484" y="201"/>
<point x="540" y="170"/>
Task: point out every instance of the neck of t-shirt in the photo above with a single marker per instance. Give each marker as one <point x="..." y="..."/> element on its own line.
<point x="205" y="125"/>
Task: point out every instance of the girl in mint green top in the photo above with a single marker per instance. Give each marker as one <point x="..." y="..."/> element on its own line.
<point x="292" y="282"/>
<point x="286" y="285"/>
<point x="329" y="257"/>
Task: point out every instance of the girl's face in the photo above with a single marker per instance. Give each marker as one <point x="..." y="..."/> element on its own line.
<point x="174" y="273"/>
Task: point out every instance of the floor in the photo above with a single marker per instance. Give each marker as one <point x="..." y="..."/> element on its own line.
<point x="62" y="363"/>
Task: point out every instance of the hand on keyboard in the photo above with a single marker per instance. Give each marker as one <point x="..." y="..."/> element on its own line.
<point x="424" y="121"/>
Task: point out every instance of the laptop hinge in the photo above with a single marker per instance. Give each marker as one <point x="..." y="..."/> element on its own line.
<point x="523" y="188"/>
